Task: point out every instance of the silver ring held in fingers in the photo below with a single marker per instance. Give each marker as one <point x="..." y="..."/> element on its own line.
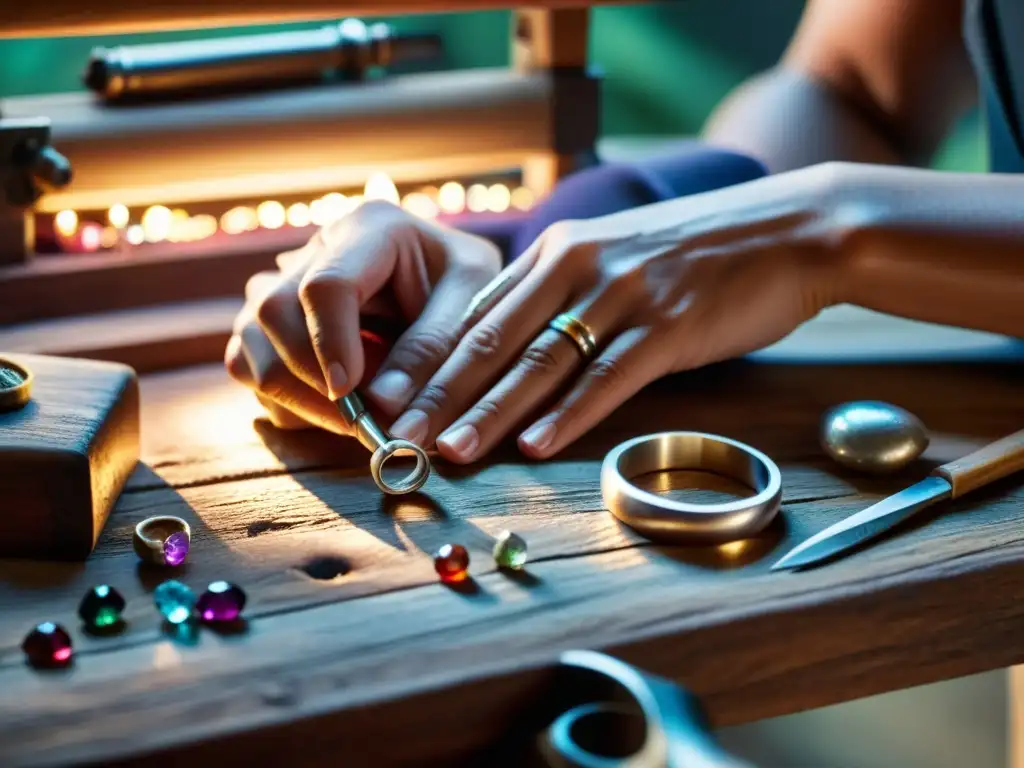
<point x="383" y="447"/>
<point x="577" y="331"/>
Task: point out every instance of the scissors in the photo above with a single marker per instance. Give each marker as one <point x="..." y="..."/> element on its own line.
<point x="596" y="711"/>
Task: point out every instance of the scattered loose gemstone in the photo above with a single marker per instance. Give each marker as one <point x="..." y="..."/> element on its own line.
<point x="222" y="601"/>
<point x="510" y="550"/>
<point x="101" y="607"/>
<point x="176" y="548"/>
<point x="175" y="601"/>
<point x="452" y="563"/>
<point x="48" y="645"/>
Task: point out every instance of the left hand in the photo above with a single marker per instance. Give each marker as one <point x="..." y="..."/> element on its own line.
<point x="732" y="271"/>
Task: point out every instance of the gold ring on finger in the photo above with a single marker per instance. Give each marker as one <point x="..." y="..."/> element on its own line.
<point x="577" y="331"/>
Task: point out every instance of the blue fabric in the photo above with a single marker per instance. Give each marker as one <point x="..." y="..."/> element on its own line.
<point x="604" y="189"/>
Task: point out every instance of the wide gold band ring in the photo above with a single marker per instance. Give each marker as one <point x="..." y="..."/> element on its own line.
<point x="578" y="332"/>
<point x="163" y="540"/>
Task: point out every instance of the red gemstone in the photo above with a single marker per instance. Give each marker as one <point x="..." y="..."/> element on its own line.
<point x="48" y="645"/>
<point x="452" y="563"/>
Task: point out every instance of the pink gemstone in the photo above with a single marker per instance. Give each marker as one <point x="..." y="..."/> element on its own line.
<point x="176" y="548"/>
<point x="222" y="601"/>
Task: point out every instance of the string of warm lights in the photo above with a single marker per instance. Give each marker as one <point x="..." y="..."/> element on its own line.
<point x="158" y="223"/>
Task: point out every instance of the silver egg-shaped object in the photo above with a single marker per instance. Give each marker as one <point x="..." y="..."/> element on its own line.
<point x="872" y="436"/>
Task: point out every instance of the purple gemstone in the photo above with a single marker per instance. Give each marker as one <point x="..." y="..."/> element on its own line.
<point x="175" y="548"/>
<point x="222" y="601"/>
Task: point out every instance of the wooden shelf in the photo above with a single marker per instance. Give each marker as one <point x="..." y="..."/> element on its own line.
<point x="148" y="339"/>
<point x="72" y="17"/>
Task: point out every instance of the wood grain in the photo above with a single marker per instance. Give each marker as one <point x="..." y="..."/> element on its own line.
<point x="993" y="462"/>
<point x="65" y="456"/>
<point x="66" y="17"/>
<point x="353" y="648"/>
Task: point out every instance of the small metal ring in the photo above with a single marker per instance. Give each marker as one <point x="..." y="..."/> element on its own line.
<point x="577" y="331"/>
<point x="659" y="518"/>
<point x="162" y="540"/>
<point x="12" y="398"/>
<point x="411" y="482"/>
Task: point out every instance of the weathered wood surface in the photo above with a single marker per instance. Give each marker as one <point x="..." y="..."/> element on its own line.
<point x="65" y="456"/>
<point x="353" y="648"/>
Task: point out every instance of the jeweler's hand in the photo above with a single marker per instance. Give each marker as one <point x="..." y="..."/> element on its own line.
<point x="297" y="341"/>
<point x="664" y="288"/>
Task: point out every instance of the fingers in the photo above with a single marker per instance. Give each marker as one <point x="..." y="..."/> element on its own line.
<point x="238" y="367"/>
<point x="422" y="349"/>
<point x="484" y="352"/>
<point x="533" y="381"/>
<point x="282" y="418"/>
<point x="634" y="359"/>
<point x="334" y="290"/>
<point x="281" y="316"/>
<point x="252" y="360"/>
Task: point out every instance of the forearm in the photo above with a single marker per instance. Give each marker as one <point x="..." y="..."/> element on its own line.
<point x="788" y="120"/>
<point x="939" y="247"/>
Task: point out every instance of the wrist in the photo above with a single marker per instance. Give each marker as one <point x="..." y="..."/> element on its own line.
<point x="847" y="220"/>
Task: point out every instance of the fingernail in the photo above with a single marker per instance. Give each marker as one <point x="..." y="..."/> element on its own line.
<point x="392" y="389"/>
<point x="336" y="380"/>
<point x="462" y="441"/>
<point x="411" y="426"/>
<point x="537" y="438"/>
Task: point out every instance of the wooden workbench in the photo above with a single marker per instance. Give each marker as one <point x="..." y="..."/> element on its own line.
<point x="354" y="654"/>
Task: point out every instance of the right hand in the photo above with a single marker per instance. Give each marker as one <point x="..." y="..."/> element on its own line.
<point x="296" y="342"/>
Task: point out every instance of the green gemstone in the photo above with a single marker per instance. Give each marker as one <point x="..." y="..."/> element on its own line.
<point x="101" y="607"/>
<point x="175" y="601"/>
<point x="510" y="550"/>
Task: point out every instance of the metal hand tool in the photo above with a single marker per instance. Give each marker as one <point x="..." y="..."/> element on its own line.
<point x="950" y="481"/>
<point x="383" y="446"/>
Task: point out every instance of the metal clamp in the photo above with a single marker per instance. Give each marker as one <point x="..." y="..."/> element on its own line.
<point x="383" y="446"/>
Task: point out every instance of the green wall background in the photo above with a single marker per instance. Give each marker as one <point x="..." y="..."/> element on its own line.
<point x="666" y="65"/>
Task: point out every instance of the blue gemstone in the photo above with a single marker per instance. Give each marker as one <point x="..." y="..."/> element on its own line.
<point x="175" y="601"/>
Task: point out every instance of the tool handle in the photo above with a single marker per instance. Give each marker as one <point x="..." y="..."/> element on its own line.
<point x="995" y="461"/>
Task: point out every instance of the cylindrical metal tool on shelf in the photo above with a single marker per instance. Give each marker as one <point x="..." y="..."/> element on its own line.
<point x="252" y="61"/>
<point x="417" y="126"/>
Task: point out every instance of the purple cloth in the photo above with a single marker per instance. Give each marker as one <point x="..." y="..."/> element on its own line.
<point x="609" y="188"/>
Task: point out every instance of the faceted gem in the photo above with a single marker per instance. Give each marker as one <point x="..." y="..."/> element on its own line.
<point x="222" y="601"/>
<point x="48" y="645"/>
<point x="101" y="606"/>
<point x="176" y="548"/>
<point x="175" y="601"/>
<point x="510" y="550"/>
<point x="452" y="563"/>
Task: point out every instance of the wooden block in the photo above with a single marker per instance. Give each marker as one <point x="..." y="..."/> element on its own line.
<point x="65" y="456"/>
